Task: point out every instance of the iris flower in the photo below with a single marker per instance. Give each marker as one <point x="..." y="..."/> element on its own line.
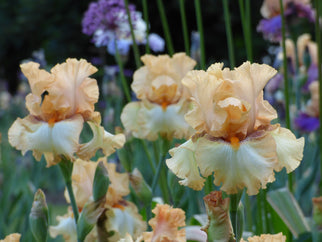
<point x="235" y="139"/>
<point x="165" y="224"/>
<point x="121" y="216"/>
<point x="59" y="104"/>
<point x="163" y="100"/>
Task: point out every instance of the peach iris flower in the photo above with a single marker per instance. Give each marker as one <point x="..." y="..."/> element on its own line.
<point x="267" y="238"/>
<point x="165" y="224"/>
<point x="235" y="139"/>
<point x="59" y="104"/>
<point x="12" y="238"/>
<point x="122" y="216"/>
<point x="163" y="100"/>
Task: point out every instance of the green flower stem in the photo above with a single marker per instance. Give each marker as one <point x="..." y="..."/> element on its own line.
<point x="146" y="20"/>
<point x="145" y="147"/>
<point x="184" y="27"/>
<point x="249" y="218"/>
<point x="245" y="19"/>
<point x="259" y="219"/>
<point x="66" y="167"/>
<point x="209" y="185"/>
<point x="201" y="34"/>
<point x="318" y="41"/>
<point x="286" y="87"/>
<point x="161" y="173"/>
<point x="234" y="202"/>
<point x="266" y="211"/>
<point x="123" y="79"/>
<point x="134" y="44"/>
<point x="165" y="27"/>
<point x="229" y="34"/>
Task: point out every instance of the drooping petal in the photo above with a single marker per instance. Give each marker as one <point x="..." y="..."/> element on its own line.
<point x="184" y="165"/>
<point x="249" y="163"/>
<point x="66" y="227"/>
<point x="101" y="140"/>
<point x="53" y="140"/>
<point x="165" y="224"/>
<point x="147" y="120"/>
<point x="119" y="184"/>
<point x="289" y="149"/>
<point x="122" y="221"/>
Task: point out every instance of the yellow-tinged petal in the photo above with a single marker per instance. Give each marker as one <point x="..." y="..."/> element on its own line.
<point x="66" y="227"/>
<point x="289" y="149"/>
<point x="53" y="140"/>
<point x="167" y="68"/>
<point x="82" y="181"/>
<point x="165" y="224"/>
<point x="101" y="140"/>
<point x="12" y="238"/>
<point x="267" y="238"/>
<point x="73" y="89"/>
<point x="184" y="165"/>
<point x="147" y="120"/>
<point x="119" y="185"/>
<point x="250" y="164"/>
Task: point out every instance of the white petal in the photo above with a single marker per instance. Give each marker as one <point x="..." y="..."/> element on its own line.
<point x="184" y="165"/>
<point x="251" y="165"/>
<point x="61" y="138"/>
<point x="289" y="149"/>
<point x="101" y="140"/>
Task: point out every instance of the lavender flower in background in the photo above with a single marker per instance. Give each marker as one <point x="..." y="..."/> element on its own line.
<point x="271" y="25"/>
<point x="107" y="22"/>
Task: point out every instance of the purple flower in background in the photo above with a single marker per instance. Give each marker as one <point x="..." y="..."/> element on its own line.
<point x="156" y="43"/>
<point x="307" y="123"/>
<point x="107" y="21"/>
<point x="271" y="28"/>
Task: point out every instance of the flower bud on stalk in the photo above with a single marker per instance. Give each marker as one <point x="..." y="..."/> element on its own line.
<point x="101" y="182"/>
<point x="219" y="226"/>
<point x="140" y="186"/>
<point x="38" y="217"/>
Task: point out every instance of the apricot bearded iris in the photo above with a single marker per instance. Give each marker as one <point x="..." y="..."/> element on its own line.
<point x="235" y="139"/>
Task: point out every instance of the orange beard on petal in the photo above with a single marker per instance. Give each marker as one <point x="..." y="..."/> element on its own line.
<point x="234" y="142"/>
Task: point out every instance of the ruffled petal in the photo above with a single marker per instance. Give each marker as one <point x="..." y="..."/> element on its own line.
<point x="101" y="140"/>
<point x="289" y="149"/>
<point x="66" y="227"/>
<point x="184" y="165"/>
<point x="73" y="89"/>
<point x="250" y="164"/>
<point x="165" y="224"/>
<point x="60" y="138"/>
<point x="147" y="120"/>
<point x="267" y="238"/>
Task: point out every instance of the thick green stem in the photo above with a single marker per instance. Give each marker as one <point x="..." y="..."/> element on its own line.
<point x="165" y="27"/>
<point x="201" y="34"/>
<point x="66" y="167"/>
<point x="318" y="41"/>
<point x="134" y="45"/>
<point x="184" y="27"/>
<point x="245" y="19"/>
<point x="146" y="20"/>
<point x="229" y="34"/>
<point x="209" y="185"/>
<point x="286" y="87"/>
<point x="161" y="173"/>
<point x="235" y="221"/>
<point x="123" y="79"/>
<point x="145" y="148"/>
<point x="259" y="217"/>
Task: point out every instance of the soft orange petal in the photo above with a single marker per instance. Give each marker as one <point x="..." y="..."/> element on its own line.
<point x="165" y="224"/>
<point x="12" y="238"/>
<point x="267" y="238"/>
